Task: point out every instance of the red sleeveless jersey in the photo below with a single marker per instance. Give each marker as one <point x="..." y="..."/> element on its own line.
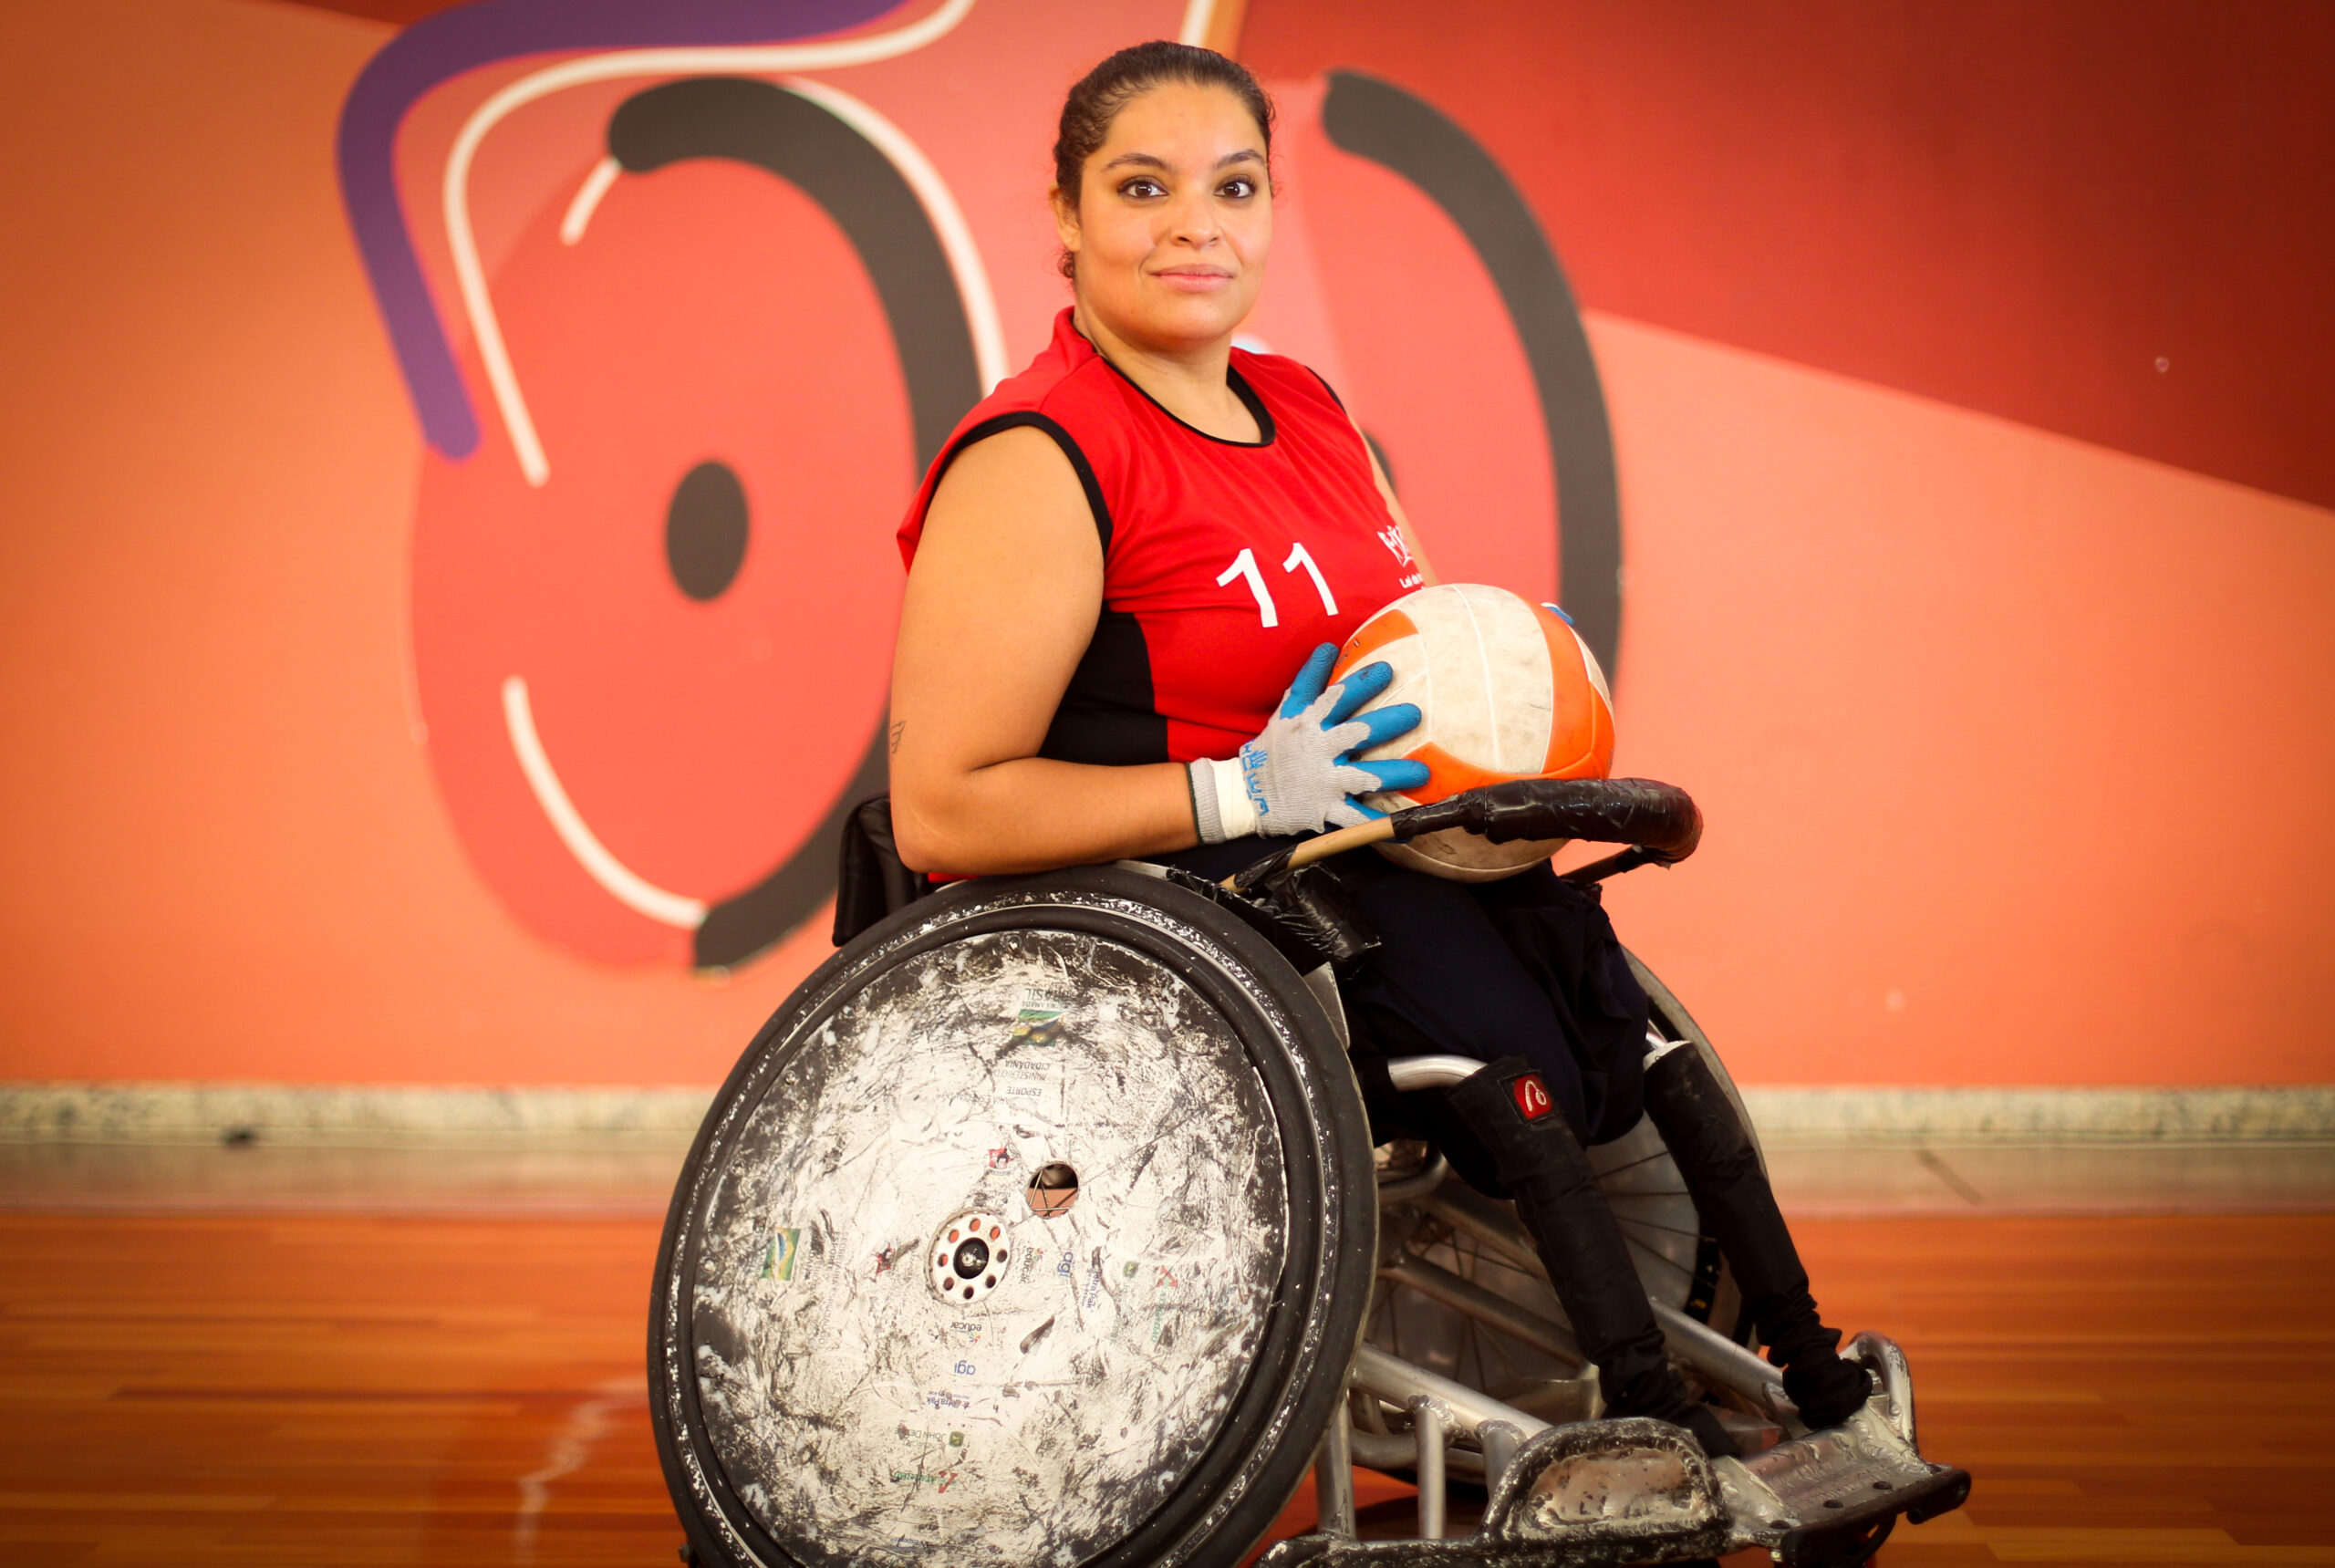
<point x="1224" y="563"/>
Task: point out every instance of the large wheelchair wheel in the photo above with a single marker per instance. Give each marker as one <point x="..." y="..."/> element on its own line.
<point x="1037" y="1227"/>
<point x="1449" y="1232"/>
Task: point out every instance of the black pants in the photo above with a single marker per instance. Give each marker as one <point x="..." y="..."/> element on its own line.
<point x="1527" y="966"/>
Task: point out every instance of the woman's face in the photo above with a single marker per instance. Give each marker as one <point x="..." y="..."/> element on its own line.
<point x="1173" y="221"/>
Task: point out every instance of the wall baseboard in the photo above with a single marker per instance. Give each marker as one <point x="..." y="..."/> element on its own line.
<point x="346" y="1113"/>
<point x="1888" y="1115"/>
<point x="33" y="1112"/>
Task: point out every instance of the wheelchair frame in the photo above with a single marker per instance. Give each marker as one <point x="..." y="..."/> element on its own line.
<point x="1561" y="1486"/>
<point x="1825" y="1499"/>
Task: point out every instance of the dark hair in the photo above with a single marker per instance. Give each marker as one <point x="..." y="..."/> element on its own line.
<point x="1101" y="93"/>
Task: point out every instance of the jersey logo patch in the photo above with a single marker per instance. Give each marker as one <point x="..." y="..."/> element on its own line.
<point x="1531" y="1096"/>
<point x="1392" y="538"/>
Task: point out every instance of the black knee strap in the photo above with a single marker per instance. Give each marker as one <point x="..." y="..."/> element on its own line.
<point x="1508" y="1110"/>
<point x="1713" y="1152"/>
<point x="1537" y="1159"/>
<point x="1705" y="1132"/>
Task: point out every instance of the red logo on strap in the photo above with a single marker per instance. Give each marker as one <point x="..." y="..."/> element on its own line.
<point x="1531" y="1096"/>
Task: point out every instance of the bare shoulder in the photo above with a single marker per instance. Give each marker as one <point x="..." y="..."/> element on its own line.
<point x="1008" y="530"/>
<point x="1017" y="484"/>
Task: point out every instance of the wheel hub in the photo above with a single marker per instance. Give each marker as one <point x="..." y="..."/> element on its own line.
<point x="970" y="1255"/>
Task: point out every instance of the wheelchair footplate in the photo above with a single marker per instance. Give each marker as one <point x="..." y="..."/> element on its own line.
<point x="1628" y="1490"/>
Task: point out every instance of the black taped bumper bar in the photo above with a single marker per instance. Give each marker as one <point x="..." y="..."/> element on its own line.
<point x="1657" y="821"/>
<point x="1658" y="818"/>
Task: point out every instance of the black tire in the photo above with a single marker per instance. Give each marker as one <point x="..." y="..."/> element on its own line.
<point x="1207" y="1105"/>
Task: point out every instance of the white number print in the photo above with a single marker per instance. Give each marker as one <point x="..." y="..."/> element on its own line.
<point x="1298" y="557"/>
<point x="1244" y="565"/>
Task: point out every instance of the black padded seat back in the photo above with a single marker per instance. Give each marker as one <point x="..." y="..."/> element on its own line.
<point x="871" y="881"/>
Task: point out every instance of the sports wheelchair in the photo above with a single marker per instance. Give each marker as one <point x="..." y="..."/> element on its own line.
<point x="1041" y="1226"/>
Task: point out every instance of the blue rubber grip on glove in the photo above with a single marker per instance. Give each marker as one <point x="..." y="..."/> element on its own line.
<point x="1299" y="775"/>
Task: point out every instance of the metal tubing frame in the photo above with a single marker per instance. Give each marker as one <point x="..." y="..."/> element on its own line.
<point x="1408" y="1073"/>
<point x="1500" y="1441"/>
<point x="1334" y="1475"/>
<point x="1428" y="1430"/>
<point x="1407" y="1189"/>
<point x="1396" y="1452"/>
<point x="1398" y="1383"/>
<point x="1470" y="1299"/>
<point x="1717" y="1357"/>
<point x="1880" y="1353"/>
<point x="1697" y="1344"/>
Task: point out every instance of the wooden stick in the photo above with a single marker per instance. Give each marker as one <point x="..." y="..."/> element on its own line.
<point x="1336" y="842"/>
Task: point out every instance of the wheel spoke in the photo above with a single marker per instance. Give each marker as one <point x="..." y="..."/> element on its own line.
<point x="1669" y="1263"/>
<point x="1633" y="1165"/>
<point x="1651" y="1225"/>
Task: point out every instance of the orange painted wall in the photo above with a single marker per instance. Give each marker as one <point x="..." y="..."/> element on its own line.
<point x="2013" y="747"/>
<point x="224" y="855"/>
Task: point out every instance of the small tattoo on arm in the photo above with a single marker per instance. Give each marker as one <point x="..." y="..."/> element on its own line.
<point x="897" y="725"/>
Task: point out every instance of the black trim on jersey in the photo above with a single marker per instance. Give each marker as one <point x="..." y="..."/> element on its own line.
<point x="1250" y="396"/>
<point x="1370" y="443"/>
<point x="1241" y="389"/>
<point x="1033" y="420"/>
<point x="1107" y="714"/>
<point x="1329" y="388"/>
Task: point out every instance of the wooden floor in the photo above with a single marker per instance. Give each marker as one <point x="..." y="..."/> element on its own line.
<point x="336" y="1388"/>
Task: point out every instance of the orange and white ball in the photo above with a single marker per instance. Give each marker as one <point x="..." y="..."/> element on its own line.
<point x="1505" y="690"/>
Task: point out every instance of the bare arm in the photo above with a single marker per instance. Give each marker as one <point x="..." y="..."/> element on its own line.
<point x="1001" y="602"/>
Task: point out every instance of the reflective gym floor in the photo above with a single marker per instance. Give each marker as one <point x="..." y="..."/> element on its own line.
<point x="313" y="1355"/>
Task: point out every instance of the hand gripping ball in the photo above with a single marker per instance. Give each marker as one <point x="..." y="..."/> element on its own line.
<point x="1505" y="690"/>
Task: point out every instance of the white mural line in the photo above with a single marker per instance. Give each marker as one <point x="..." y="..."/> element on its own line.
<point x="939" y="206"/>
<point x="470" y="274"/>
<point x="588" y="200"/>
<point x="621" y="882"/>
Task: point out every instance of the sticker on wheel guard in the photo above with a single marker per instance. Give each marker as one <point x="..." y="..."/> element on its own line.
<point x="778" y="1258"/>
<point x="1038" y="1020"/>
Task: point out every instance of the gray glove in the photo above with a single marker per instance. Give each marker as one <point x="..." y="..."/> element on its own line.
<point x="1299" y="775"/>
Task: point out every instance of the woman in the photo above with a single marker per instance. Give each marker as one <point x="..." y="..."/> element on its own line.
<point x="1115" y="566"/>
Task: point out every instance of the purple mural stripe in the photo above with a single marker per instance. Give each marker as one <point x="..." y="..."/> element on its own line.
<point x="441" y="47"/>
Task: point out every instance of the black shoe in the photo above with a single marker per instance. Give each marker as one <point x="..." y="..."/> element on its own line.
<point x="1829" y="1388"/>
<point x="1714" y="1153"/>
<point x="1539" y="1163"/>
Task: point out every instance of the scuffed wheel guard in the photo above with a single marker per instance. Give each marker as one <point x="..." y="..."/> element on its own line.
<point x="1604" y="1493"/>
<point x="1146" y="1381"/>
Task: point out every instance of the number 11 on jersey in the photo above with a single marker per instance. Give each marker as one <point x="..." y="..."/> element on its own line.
<point x="1298" y="557"/>
<point x="1244" y="565"/>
